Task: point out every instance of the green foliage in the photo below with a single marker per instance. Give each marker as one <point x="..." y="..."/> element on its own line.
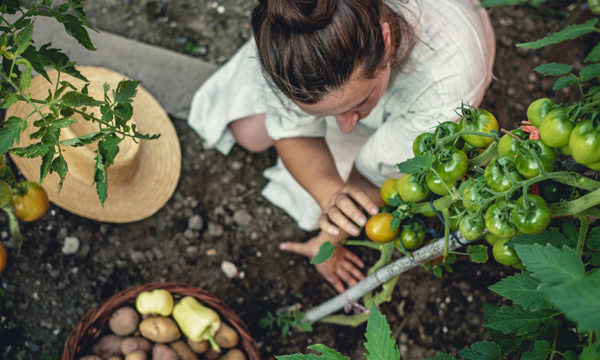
<point x="416" y="164"/>
<point x="325" y="253"/>
<point x="20" y="57"/>
<point x="285" y="320"/>
<point x="570" y="32"/>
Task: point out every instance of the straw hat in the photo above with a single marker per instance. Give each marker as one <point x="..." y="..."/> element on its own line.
<point x="144" y="174"/>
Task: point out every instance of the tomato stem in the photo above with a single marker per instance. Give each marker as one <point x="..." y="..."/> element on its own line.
<point x="584" y="223"/>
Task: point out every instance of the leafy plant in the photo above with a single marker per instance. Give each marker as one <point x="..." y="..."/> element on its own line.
<point x="285" y="320"/>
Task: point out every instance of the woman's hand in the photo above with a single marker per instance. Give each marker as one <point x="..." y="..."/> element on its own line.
<point x="345" y="207"/>
<point x="342" y="268"/>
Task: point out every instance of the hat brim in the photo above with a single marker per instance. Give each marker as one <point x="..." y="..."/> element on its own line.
<point x="130" y="198"/>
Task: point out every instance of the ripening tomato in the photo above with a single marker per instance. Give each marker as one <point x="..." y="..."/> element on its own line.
<point x="437" y="185"/>
<point x="29" y="200"/>
<point x="379" y="228"/>
<point x="412" y="189"/>
<point x="479" y="120"/>
<point x="388" y="190"/>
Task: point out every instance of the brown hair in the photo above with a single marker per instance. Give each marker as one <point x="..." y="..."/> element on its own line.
<point x="311" y="47"/>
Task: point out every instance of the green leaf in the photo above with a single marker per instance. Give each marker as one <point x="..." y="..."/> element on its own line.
<point x="579" y="300"/>
<point x="553" y="69"/>
<point x="551" y="265"/>
<point x="10" y="132"/>
<point x="591" y="352"/>
<point x="550" y="236"/>
<point x="75" y="99"/>
<point x="100" y="178"/>
<point x="570" y="32"/>
<point x="64" y="122"/>
<point x="570" y="231"/>
<point x="593" y="55"/>
<point x="126" y="90"/>
<point x="479" y="253"/>
<point x="74" y="27"/>
<point x="509" y="319"/>
<point x="593" y="238"/>
<point x="563" y="81"/>
<point x="10" y="99"/>
<point x="46" y="165"/>
<point x="540" y="351"/>
<point x="483" y="350"/>
<point x="123" y="112"/>
<point x="23" y="39"/>
<point x="325" y="252"/>
<point x="82" y="140"/>
<point x="380" y="344"/>
<point x="31" y="151"/>
<point x="491" y="3"/>
<point x="25" y="80"/>
<point x="523" y="290"/>
<point x="325" y="353"/>
<point x="59" y="166"/>
<point x="589" y="72"/>
<point x="416" y="164"/>
<point x="595" y="259"/>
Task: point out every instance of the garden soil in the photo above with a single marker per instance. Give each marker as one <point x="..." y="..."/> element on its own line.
<point x="217" y="216"/>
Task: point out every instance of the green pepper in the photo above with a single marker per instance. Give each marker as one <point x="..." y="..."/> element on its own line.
<point x="155" y="302"/>
<point x="197" y="321"/>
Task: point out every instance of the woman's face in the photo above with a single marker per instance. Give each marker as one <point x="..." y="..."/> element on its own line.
<point x="353" y="101"/>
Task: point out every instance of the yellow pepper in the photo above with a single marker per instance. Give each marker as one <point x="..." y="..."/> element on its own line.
<point x="155" y="302"/>
<point x="196" y="321"/>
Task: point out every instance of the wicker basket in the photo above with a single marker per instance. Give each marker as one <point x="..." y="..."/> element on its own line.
<point x="95" y="321"/>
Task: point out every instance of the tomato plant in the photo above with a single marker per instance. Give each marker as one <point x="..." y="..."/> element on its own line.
<point x="379" y="228"/>
<point x="556" y="128"/>
<point x="479" y="120"/>
<point x="29" y="200"/>
<point x="451" y="164"/>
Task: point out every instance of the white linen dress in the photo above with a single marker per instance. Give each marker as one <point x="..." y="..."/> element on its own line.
<point x="451" y="63"/>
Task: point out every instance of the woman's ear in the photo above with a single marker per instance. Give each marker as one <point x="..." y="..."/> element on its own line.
<point x="387" y="39"/>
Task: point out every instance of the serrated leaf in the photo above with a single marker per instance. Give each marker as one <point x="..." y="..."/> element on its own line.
<point x="123" y="112"/>
<point x="553" y="69"/>
<point x="31" y="151"/>
<point x="46" y="165"/>
<point x="478" y="253"/>
<point x="579" y="300"/>
<point x="380" y="344"/>
<point x="570" y="32"/>
<point x="109" y="148"/>
<point x="74" y="27"/>
<point x="522" y="289"/>
<point x="9" y="99"/>
<point x="82" y="140"/>
<point x="483" y="350"/>
<point x="25" y="80"/>
<point x="23" y="39"/>
<point x="593" y="55"/>
<point x="563" y="81"/>
<point x="516" y="319"/>
<point x="540" y="351"/>
<point x="589" y="72"/>
<point x="416" y="164"/>
<point x="60" y="167"/>
<point x="549" y="236"/>
<point x="325" y="253"/>
<point x="63" y="123"/>
<point x="551" y="265"/>
<point x="76" y="99"/>
<point x="126" y="90"/>
<point x="100" y="178"/>
<point x="10" y="132"/>
<point x="325" y="353"/>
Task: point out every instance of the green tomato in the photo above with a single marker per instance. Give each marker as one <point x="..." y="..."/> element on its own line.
<point x="508" y="145"/>
<point x="532" y="215"/>
<point x="423" y="144"/>
<point x="437" y="185"/>
<point x="501" y="174"/>
<point x="412" y="235"/>
<point x="594" y="6"/>
<point x="585" y="142"/>
<point x="5" y="193"/>
<point x="388" y="190"/>
<point x="498" y="220"/>
<point x="445" y="129"/>
<point x="478" y="120"/>
<point x="556" y="128"/>
<point x="526" y="163"/>
<point x="451" y="164"/>
<point x="411" y="189"/>
<point x="471" y="226"/>
<point x="538" y="109"/>
<point x="504" y="254"/>
<point x="491" y="238"/>
<point x="473" y="195"/>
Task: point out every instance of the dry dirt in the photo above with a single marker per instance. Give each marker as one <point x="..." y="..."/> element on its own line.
<point x="217" y="214"/>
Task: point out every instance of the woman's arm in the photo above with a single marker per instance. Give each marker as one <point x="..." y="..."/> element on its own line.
<point x="310" y="162"/>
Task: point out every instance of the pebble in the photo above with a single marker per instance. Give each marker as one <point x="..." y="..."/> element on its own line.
<point x="71" y="245"/>
<point x="242" y="218"/>
<point x="214" y="229"/>
<point x="229" y="269"/>
<point x="137" y="257"/>
<point x="195" y="222"/>
<point x="211" y="252"/>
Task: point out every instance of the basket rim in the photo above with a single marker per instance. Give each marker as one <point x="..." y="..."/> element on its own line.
<point x="94" y="321"/>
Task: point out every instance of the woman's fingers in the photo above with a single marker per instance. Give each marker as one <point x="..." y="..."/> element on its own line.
<point x="336" y="216"/>
<point x="362" y="199"/>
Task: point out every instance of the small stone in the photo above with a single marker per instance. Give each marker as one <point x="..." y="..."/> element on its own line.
<point x="137" y="257"/>
<point x="195" y="222"/>
<point x="214" y="229"/>
<point x="190" y="234"/>
<point x="229" y="269"/>
<point x="211" y="252"/>
<point x="242" y="218"/>
<point x="71" y="245"/>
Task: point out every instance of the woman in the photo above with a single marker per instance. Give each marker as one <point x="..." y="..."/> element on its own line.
<point x="341" y="88"/>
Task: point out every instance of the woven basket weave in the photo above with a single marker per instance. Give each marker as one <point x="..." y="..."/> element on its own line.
<point x="96" y="320"/>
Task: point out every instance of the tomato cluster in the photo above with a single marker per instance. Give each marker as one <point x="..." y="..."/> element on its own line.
<point x="484" y="184"/>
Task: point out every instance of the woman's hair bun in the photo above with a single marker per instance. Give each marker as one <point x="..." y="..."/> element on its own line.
<point x="300" y="16"/>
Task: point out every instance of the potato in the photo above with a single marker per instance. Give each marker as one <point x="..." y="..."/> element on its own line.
<point x="91" y="357"/>
<point x="163" y="352"/>
<point x="160" y="329"/>
<point x="137" y="355"/>
<point x="124" y="321"/>
<point x="132" y="344"/>
<point x="226" y="336"/>
<point x="211" y="354"/>
<point x="108" y="345"/>
<point x="115" y="358"/>
<point x="183" y="350"/>
<point x="198" y="347"/>
<point x="234" y="354"/>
